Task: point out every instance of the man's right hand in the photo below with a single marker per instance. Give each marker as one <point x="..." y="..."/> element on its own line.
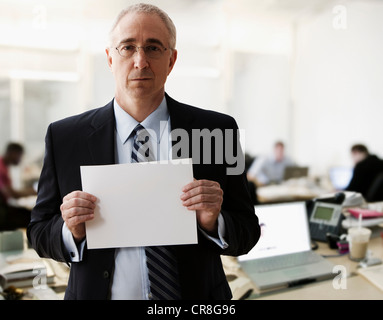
<point x="78" y="207"/>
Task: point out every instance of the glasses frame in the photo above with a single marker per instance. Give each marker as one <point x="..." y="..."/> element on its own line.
<point x="138" y="48"/>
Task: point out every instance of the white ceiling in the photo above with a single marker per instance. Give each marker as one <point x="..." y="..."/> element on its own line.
<point x="69" y="22"/>
<point x="107" y="9"/>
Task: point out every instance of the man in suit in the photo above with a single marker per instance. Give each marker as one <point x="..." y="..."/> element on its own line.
<point x="141" y="55"/>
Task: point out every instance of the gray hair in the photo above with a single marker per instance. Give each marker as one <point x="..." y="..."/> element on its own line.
<point x="148" y="9"/>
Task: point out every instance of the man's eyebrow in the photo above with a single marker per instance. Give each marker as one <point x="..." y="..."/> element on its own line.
<point x="127" y="40"/>
<point x="155" y="41"/>
<point x="148" y="41"/>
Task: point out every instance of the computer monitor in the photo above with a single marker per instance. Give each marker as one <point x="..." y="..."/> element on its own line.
<point x="293" y="172"/>
<point x="340" y="176"/>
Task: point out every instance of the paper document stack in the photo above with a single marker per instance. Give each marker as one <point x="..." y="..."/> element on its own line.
<point x="24" y="268"/>
<point x="374" y="275"/>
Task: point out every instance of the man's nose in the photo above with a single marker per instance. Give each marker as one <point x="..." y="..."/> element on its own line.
<point x="140" y="60"/>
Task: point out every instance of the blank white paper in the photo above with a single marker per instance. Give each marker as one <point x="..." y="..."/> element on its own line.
<point x="139" y="204"/>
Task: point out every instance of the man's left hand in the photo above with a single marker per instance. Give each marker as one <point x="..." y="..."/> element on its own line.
<point x="205" y="197"/>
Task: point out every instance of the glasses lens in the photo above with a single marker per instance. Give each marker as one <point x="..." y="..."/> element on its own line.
<point x="127" y="50"/>
<point x="151" y="51"/>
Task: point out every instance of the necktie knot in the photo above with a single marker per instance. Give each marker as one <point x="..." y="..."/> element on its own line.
<point x="140" y="134"/>
<point x="143" y="150"/>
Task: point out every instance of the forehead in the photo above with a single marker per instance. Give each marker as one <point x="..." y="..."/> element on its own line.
<point x="141" y="26"/>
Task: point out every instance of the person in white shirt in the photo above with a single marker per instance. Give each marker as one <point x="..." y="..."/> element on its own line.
<point x="270" y="169"/>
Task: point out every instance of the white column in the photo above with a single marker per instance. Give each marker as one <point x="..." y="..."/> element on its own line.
<point x="17" y="109"/>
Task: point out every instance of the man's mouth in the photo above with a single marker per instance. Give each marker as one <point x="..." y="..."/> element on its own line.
<point x="141" y="79"/>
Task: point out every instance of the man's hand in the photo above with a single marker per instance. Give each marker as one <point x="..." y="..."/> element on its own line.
<point x="78" y="207"/>
<point x="205" y="197"/>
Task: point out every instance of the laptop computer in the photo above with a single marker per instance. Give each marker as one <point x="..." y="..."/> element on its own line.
<point x="340" y="177"/>
<point x="295" y="172"/>
<point x="283" y="256"/>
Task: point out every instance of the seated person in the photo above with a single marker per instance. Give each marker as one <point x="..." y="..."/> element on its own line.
<point x="270" y="169"/>
<point x="366" y="168"/>
<point x="12" y="217"/>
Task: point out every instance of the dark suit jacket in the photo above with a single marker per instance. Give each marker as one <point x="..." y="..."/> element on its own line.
<point x="364" y="175"/>
<point x="89" y="139"/>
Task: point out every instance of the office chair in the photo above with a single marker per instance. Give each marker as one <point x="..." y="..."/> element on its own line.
<point x="249" y="159"/>
<point x="375" y="192"/>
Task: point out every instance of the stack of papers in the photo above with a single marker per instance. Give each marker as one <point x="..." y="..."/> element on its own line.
<point x="374" y="275"/>
<point x="366" y="213"/>
<point x="351" y="221"/>
<point x="24" y="268"/>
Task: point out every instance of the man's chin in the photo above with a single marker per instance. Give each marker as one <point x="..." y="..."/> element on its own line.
<point x="142" y="91"/>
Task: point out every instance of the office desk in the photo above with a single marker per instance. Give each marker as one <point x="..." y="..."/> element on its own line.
<point x="291" y="190"/>
<point x="357" y="287"/>
<point x="49" y="285"/>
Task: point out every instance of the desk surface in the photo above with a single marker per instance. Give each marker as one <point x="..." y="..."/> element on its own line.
<point x="291" y="190"/>
<point x="357" y="287"/>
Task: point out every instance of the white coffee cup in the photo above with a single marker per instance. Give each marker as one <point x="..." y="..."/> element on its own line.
<point x="358" y="242"/>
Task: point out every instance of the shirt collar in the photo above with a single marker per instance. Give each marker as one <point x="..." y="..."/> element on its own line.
<point x="125" y="123"/>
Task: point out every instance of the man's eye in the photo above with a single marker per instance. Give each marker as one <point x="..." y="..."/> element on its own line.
<point x="152" y="49"/>
<point x="129" y="48"/>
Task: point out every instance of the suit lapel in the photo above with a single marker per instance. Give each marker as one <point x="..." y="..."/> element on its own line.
<point x="180" y="118"/>
<point x="101" y="138"/>
<point x="183" y="117"/>
<point x="180" y="115"/>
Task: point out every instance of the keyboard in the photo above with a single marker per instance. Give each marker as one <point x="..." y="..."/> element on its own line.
<point x="285" y="261"/>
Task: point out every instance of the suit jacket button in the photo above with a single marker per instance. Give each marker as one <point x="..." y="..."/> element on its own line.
<point x="106" y="274"/>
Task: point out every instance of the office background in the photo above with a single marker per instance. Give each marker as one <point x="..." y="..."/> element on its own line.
<point x="308" y="72"/>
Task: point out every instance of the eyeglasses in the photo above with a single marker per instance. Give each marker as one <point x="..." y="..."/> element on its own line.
<point x="152" y="51"/>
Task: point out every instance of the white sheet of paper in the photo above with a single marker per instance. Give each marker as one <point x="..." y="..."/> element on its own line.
<point x="139" y="204"/>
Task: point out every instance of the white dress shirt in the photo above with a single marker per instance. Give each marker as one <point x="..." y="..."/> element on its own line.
<point x="130" y="277"/>
<point x="266" y="169"/>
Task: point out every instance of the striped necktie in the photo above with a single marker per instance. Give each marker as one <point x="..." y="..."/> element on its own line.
<point x="160" y="260"/>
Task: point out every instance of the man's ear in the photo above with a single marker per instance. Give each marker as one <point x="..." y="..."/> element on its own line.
<point x="172" y="60"/>
<point x="109" y="57"/>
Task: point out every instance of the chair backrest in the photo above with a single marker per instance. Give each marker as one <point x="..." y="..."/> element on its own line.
<point x="249" y="159"/>
<point x="11" y="240"/>
<point x="375" y="192"/>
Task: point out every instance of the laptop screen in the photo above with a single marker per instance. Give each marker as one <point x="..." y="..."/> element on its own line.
<point x="293" y="172"/>
<point x="340" y="177"/>
<point x="284" y="230"/>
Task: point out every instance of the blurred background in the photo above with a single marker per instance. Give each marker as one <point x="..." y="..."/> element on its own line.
<point x="307" y="72"/>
